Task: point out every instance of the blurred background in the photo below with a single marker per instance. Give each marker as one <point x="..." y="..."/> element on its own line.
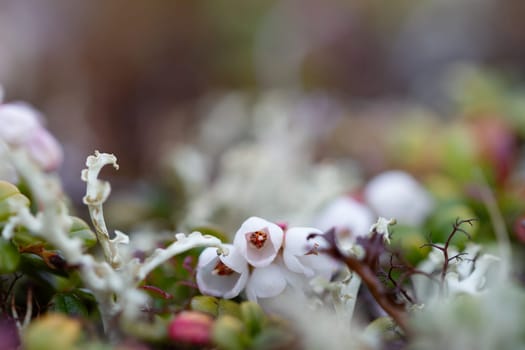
<point x="137" y="78"/>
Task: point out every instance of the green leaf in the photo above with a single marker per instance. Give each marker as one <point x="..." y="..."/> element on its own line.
<point x="229" y="334"/>
<point x="205" y="304"/>
<point x="272" y="338"/>
<point x="69" y="304"/>
<point x="23" y="238"/>
<point x="9" y="192"/>
<point x="253" y="317"/>
<point x="80" y="229"/>
<point x="383" y="327"/>
<point x="440" y="224"/>
<point x="34" y="266"/>
<point x="9" y="256"/>
<point x="409" y="240"/>
<point x="228" y="307"/>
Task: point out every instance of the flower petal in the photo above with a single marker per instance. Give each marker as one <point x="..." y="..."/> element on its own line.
<point x="396" y="194"/>
<point x="271" y="243"/>
<point x="227" y="285"/>
<point x="346" y="213"/>
<point x="266" y="282"/>
<point x="297" y="245"/>
<point x="234" y="260"/>
<point x="44" y="149"/>
<point x="17" y="122"/>
<point x="322" y="264"/>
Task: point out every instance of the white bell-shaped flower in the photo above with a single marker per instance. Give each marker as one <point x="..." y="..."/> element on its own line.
<point x="350" y="219"/>
<point x="258" y="241"/>
<point x="44" y="149"/>
<point x="300" y="253"/>
<point x="346" y="213"/>
<point x="223" y="276"/>
<point x="18" y="121"/>
<point x="396" y="194"/>
<point x="20" y="126"/>
<point x="266" y="282"/>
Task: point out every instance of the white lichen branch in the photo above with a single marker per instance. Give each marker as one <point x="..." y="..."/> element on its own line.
<point x="97" y="192"/>
<point x="115" y="288"/>
<point x="183" y="243"/>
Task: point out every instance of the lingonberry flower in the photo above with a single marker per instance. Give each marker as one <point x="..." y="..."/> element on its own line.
<point x="396" y="194"/>
<point x="346" y="213"/>
<point x="300" y="254"/>
<point x="258" y="241"/>
<point x="44" y="149"/>
<point x="350" y="218"/>
<point x="18" y="121"/>
<point x="222" y="276"/>
<point x="267" y="282"/>
<point x="20" y="126"/>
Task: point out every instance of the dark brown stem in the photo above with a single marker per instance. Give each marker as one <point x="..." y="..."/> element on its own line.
<point x="456" y="227"/>
<point x="396" y="311"/>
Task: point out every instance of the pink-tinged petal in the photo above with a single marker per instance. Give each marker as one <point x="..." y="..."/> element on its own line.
<point x="17" y="122"/>
<point x="297" y="245"/>
<point x="258" y="241"/>
<point x="44" y="149"/>
<point x="215" y="276"/>
<point x="266" y="282"/>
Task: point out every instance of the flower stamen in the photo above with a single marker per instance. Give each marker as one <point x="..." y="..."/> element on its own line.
<point x="257" y="239"/>
<point x="222" y="270"/>
<point x="314" y="250"/>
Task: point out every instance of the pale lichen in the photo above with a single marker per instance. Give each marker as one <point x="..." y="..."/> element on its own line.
<point x="114" y="282"/>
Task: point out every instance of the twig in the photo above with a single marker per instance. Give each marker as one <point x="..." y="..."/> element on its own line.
<point x="28" y="314"/>
<point x="369" y="278"/>
<point x="456" y="227"/>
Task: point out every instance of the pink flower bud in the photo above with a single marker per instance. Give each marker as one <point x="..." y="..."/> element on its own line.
<point x="191" y="327"/>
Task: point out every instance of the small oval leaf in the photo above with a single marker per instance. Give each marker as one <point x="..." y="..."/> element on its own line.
<point x="205" y="304"/>
<point x="9" y="256"/>
<point x="69" y="304"/>
<point x="80" y="229"/>
<point x="9" y="193"/>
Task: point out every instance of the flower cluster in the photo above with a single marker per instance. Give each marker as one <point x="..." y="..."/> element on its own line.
<point x="392" y="194"/>
<point x="263" y="260"/>
<point x="21" y="127"/>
